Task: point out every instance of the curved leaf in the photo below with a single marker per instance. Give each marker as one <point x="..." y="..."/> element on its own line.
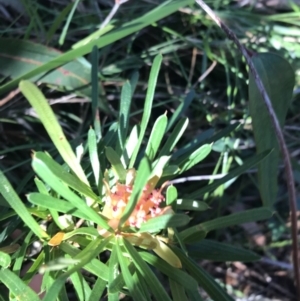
<point x="162" y="222"/>
<point x="279" y="79"/>
<point x="17" y="287"/>
<point x="53" y="128"/>
<point x="217" y="251"/>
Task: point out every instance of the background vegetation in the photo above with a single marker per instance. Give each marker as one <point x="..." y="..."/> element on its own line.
<point x="198" y="61"/>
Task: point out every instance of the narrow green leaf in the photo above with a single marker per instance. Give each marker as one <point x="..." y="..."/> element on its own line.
<point x="41" y="186"/>
<point x="189" y="160"/>
<point x="85" y="257"/>
<point x="5" y="259"/>
<point x="96" y="104"/>
<point x="55" y="183"/>
<point x="156" y="136"/>
<point x="203" y="278"/>
<point x="17" y="287"/>
<point x="147" y="106"/>
<point x="130" y="145"/>
<point x="171" y="195"/>
<point x="67" y="24"/>
<point x="116" y="164"/>
<point x="52" y="203"/>
<point x="141" y="180"/>
<point x="194" y="295"/>
<point x="251" y="215"/>
<point x="13" y="200"/>
<point x="164" y="221"/>
<point x="113" y="272"/>
<point x="177" y="291"/>
<point x="181" y="109"/>
<point x="188" y="204"/>
<point x="173" y="273"/>
<point x="34" y="268"/>
<point x="57" y="22"/>
<point x="134" y="81"/>
<point x="119" y="282"/>
<point x="170" y="170"/>
<point x="194" y="144"/>
<point x="217" y="251"/>
<point x="64" y="175"/>
<point x="54" y="130"/>
<point x="93" y="36"/>
<point x="174" y="137"/>
<point x="58" y="264"/>
<point x="154" y="284"/>
<point x="129" y="280"/>
<point x="97" y="290"/>
<point x="232" y="174"/>
<point x="19" y="261"/>
<point x="125" y="103"/>
<point x="280" y="90"/>
<point x="111" y="135"/>
<point x="86" y="231"/>
<point x="95" y="266"/>
<point x="143" y="285"/>
<point x="205" y="137"/>
<point x="81" y="287"/>
<point x="159" y="165"/>
<point x="93" y="152"/>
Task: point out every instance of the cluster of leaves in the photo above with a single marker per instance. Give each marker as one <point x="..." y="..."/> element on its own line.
<point x="77" y="189"/>
<point x="67" y="190"/>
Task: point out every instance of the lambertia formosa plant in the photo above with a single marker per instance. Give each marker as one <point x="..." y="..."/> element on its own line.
<point x="113" y="194"/>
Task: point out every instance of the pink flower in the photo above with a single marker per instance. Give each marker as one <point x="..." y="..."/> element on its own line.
<point x="147" y="206"/>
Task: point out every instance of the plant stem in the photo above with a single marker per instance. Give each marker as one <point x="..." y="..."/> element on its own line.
<point x="283" y="147"/>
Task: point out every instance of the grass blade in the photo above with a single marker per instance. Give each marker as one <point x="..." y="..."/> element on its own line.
<point x="95" y="266"/>
<point x="97" y="290"/>
<point x="148" y="106"/>
<point x="17" y="287"/>
<point x="191" y="159"/>
<point x="181" y="109"/>
<point x="66" y="27"/>
<point x="154" y="284"/>
<point x="131" y="282"/>
<point x="113" y="273"/>
<point x="174" y="137"/>
<point x="156" y="136"/>
<point x="116" y="164"/>
<point x="54" y="130"/>
<point x="93" y="153"/>
<point x="18" y="206"/>
<point x="217" y="251"/>
<point x="85" y="257"/>
<point x="51" y="203"/>
<point x="203" y="278"/>
<point x="55" y="183"/>
<point x="173" y="273"/>
<point x="125" y="103"/>
<point x="252" y="215"/>
<point x="232" y="174"/>
<point x="162" y="222"/>
<point x="177" y="290"/>
<point x="69" y="179"/>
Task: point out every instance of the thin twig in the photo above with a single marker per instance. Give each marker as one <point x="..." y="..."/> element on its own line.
<point x="114" y="10"/>
<point x="10" y="96"/>
<point x="279" y="135"/>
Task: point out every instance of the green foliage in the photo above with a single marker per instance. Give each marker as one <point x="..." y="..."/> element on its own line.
<point x="65" y="190"/>
<point x="280" y="90"/>
<point x="159" y="258"/>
